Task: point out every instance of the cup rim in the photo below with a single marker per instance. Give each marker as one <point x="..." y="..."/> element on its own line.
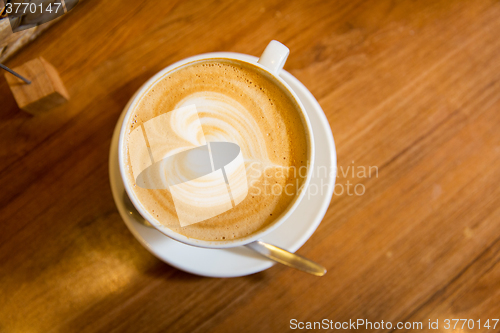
<point x="205" y="243"/>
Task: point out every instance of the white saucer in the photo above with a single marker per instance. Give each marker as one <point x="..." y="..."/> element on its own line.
<point x="240" y="261"/>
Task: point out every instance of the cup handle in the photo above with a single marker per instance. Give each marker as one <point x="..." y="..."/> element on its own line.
<point x="274" y="56"/>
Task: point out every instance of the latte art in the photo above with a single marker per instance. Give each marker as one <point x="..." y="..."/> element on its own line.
<point x="237" y="103"/>
<point x="224" y="119"/>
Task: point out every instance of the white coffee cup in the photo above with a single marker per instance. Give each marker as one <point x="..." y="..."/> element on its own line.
<point x="272" y="61"/>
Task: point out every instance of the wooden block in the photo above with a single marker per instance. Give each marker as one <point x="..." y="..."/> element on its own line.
<point x="46" y="90"/>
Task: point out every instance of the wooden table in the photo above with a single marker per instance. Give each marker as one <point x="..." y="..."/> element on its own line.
<point x="409" y="87"/>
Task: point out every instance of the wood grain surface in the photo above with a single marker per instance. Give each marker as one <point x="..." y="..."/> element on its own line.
<point x="409" y="87"/>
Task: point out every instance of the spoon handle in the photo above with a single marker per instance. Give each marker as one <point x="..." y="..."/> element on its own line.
<point x="287" y="258"/>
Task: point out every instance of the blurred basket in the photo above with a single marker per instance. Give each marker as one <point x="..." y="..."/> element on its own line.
<point x="11" y="42"/>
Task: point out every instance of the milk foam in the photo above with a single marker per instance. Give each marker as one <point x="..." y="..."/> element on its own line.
<point x="226" y="120"/>
<point x="236" y="103"/>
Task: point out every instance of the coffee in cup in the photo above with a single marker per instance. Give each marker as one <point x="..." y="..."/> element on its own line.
<point x="236" y="102"/>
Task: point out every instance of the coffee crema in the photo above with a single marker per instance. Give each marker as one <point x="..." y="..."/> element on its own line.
<point x="240" y="103"/>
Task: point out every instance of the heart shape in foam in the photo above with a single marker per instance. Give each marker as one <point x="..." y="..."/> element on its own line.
<point x="205" y="179"/>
